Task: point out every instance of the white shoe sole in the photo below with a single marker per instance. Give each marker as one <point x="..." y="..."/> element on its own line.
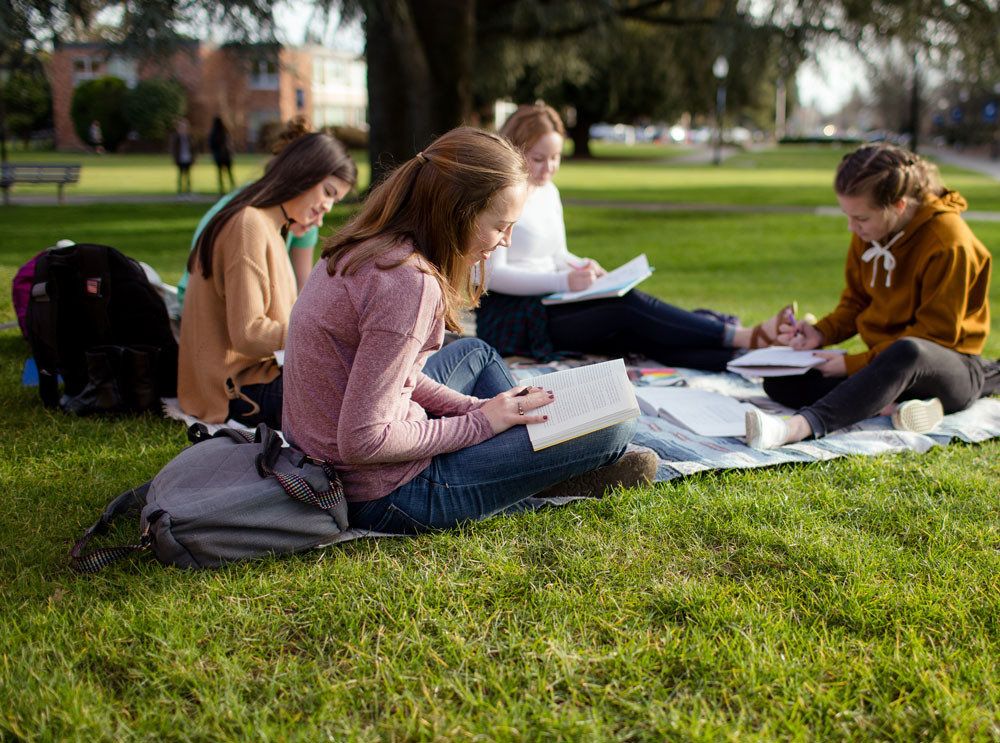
<point x="918" y="416"/>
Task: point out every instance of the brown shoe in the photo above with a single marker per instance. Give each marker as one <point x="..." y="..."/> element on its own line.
<point x="636" y="467"/>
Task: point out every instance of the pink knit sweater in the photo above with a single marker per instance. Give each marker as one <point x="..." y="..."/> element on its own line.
<point x="354" y="392"/>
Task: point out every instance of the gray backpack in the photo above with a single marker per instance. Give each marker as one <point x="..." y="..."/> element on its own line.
<point x="229" y="497"/>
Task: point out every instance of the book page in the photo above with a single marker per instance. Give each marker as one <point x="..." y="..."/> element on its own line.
<point x="778" y="361"/>
<point x="778" y="356"/>
<point x="704" y="412"/>
<point x="626" y="275"/>
<point x="586" y="398"/>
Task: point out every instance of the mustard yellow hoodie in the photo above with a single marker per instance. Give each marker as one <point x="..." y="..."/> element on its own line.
<point x="930" y="282"/>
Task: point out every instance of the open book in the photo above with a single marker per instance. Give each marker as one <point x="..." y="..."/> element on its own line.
<point x="777" y="361"/>
<point x="587" y="399"/>
<point x="704" y="412"/>
<point x="612" y="284"/>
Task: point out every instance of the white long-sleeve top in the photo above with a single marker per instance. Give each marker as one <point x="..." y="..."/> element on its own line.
<point x="537" y="261"/>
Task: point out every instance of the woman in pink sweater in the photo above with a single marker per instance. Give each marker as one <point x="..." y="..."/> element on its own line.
<point x="425" y="437"/>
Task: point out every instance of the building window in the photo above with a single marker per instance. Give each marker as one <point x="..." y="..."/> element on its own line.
<point x="264" y="75"/>
<point x="87" y="68"/>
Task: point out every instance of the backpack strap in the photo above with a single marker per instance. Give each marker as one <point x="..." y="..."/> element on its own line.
<point x="43" y="310"/>
<point x="129" y="502"/>
<point x="296" y="487"/>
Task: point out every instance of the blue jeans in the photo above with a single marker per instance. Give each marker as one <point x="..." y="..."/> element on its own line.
<point x="493" y="477"/>
<point x="268" y="399"/>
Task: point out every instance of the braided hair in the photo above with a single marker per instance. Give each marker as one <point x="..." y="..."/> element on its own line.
<point x="886" y="173"/>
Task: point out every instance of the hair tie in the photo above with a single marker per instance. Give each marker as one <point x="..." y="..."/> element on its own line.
<point x="420" y="157"/>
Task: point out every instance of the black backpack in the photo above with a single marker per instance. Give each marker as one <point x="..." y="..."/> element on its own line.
<point x="95" y="320"/>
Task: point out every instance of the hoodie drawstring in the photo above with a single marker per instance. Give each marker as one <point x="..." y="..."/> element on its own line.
<point x="888" y="259"/>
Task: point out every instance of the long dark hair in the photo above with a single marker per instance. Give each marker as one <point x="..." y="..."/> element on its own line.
<point x="304" y="162"/>
<point x="433" y="201"/>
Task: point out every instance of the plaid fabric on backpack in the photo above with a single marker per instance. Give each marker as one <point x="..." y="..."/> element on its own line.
<point x="227" y="498"/>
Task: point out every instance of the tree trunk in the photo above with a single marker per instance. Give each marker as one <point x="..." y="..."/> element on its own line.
<point x="580" y="133"/>
<point x="915" y="106"/>
<point x="420" y="67"/>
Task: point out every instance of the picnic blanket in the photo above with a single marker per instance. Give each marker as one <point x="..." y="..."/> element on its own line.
<point x="682" y="452"/>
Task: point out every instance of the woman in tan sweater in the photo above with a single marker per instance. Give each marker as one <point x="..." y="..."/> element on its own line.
<point x="242" y="287"/>
<point x="918" y="295"/>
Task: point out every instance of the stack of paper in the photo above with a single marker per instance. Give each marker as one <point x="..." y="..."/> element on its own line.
<point x="703" y="412"/>
<point x="776" y="361"/>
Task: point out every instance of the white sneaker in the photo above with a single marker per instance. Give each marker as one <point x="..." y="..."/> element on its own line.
<point x="765" y="431"/>
<point x="919" y="416"/>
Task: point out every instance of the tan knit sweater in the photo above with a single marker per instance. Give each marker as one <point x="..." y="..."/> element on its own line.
<point x="235" y="320"/>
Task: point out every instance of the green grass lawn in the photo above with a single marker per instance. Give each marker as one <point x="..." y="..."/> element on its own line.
<point x="855" y="599"/>
<point x="799" y="175"/>
<point x="116" y="174"/>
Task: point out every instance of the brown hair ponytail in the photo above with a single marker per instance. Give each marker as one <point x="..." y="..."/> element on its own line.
<point x="432" y="201"/>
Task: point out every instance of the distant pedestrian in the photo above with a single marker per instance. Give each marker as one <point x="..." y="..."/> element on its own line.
<point x="182" y="149"/>
<point x="96" y="136"/>
<point x="221" y="145"/>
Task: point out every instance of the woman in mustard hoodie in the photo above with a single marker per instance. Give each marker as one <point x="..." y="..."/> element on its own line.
<point x="917" y="294"/>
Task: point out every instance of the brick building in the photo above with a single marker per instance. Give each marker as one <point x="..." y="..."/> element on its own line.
<point x="247" y="89"/>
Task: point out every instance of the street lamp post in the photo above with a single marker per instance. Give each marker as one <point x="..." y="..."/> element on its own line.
<point x="720" y="68"/>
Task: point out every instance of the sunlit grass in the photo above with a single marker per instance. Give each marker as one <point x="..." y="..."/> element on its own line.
<point x="842" y="601"/>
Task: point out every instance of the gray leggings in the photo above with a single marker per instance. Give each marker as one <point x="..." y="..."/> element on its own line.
<point x="911" y="368"/>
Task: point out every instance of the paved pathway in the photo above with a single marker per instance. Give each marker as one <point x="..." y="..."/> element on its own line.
<point x="975" y="161"/>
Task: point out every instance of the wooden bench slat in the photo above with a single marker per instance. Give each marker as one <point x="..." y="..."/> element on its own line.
<point x="57" y="173"/>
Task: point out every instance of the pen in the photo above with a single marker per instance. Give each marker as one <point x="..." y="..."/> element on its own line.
<point x="523" y="392"/>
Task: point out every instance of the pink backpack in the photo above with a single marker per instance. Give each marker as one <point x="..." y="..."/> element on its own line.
<point x="20" y="291"/>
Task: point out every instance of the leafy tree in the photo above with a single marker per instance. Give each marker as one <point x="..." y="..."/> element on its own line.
<point x="431" y="60"/>
<point x="153" y="107"/>
<point x="100" y="100"/>
<point x="27" y="101"/>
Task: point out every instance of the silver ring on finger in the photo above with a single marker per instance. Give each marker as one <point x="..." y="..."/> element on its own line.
<point x="520" y="410"/>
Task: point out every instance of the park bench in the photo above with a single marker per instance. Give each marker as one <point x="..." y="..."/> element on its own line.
<point x="11" y="173"/>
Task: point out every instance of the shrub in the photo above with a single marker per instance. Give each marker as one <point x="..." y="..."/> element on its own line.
<point x="351" y="137"/>
<point x="28" y="101"/>
<point x="153" y="107"/>
<point x="267" y="135"/>
<point x="100" y="100"/>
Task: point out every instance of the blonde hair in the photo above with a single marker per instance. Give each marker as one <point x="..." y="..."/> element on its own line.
<point x="885" y="174"/>
<point x="528" y="124"/>
<point x="432" y="201"/>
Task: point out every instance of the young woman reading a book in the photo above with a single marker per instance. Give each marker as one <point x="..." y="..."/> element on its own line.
<point x="917" y="294"/>
<point x="241" y="286"/>
<point x="512" y="318"/>
<point x="426" y="437"/>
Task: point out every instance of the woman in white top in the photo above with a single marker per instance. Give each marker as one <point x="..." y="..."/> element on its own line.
<point x="513" y="320"/>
